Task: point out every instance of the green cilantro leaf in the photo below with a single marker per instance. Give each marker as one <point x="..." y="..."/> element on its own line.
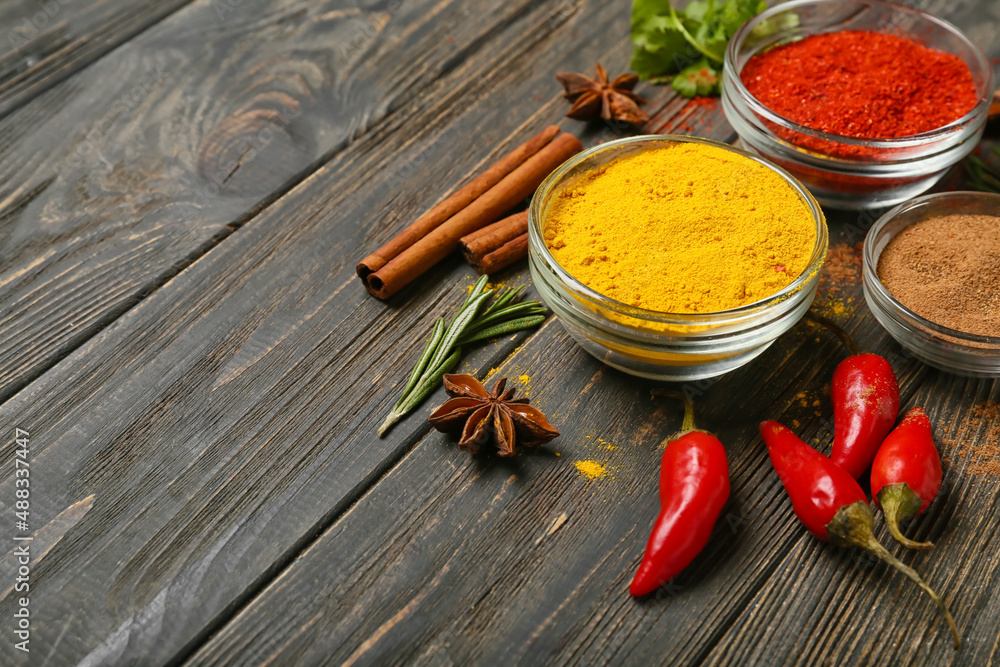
<point x="667" y="41"/>
<point x="700" y="11"/>
<point x="697" y="79"/>
<point x="737" y="12"/>
<point x="658" y="33"/>
<point x="784" y="21"/>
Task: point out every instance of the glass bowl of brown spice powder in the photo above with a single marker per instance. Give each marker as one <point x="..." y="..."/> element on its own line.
<point x="932" y="279"/>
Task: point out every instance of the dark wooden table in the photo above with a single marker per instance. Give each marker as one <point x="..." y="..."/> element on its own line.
<point x="185" y="189"/>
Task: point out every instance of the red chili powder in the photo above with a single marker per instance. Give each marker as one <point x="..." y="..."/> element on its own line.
<point x="862" y="84"/>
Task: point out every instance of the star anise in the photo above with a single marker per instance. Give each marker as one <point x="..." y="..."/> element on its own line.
<point x="596" y="97"/>
<point x="477" y="413"/>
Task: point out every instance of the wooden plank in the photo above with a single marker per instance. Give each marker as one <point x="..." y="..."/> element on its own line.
<point x="831" y="606"/>
<point x="119" y="177"/>
<point x="486" y="562"/>
<point x="223" y="423"/>
<point x="44" y="43"/>
<point x="489" y="561"/>
<point x="457" y="572"/>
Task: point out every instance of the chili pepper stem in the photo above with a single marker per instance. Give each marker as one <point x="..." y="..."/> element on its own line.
<point x="688" y="424"/>
<point x="845" y="338"/>
<point x="898" y="502"/>
<point x="852" y="526"/>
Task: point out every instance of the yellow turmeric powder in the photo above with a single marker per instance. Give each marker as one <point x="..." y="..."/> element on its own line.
<point x="590" y="469"/>
<point x="687" y="228"/>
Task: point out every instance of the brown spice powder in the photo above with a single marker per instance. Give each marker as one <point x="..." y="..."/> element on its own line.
<point x="984" y="456"/>
<point x="840" y="275"/>
<point x="843" y="264"/>
<point x="947" y="270"/>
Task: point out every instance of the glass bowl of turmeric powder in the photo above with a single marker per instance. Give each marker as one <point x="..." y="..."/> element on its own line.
<point x="868" y="103"/>
<point x="674" y="258"/>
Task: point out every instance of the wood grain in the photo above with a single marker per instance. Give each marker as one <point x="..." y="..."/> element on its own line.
<point x="119" y="177"/>
<point x="864" y="613"/>
<point x="220" y="433"/>
<point x="225" y="421"/>
<point x="44" y="43"/>
<point x="489" y="561"/>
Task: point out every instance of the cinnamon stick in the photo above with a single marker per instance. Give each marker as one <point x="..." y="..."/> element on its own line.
<point x="487" y="208"/>
<point x="455" y="203"/>
<point x="491" y="238"/>
<point x="504" y="256"/>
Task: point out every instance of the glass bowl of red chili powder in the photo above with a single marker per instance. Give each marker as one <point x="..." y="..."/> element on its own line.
<point x="868" y="103"/>
<point x="940" y="254"/>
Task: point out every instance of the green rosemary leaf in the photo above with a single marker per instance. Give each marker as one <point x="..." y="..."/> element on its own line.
<point x="476" y="289"/>
<point x="503" y="299"/>
<point x="433" y="379"/>
<point x="510" y="312"/>
<point x="458" y="327"/>
<point x="443" y="350"/>
<point x="981" y="176"/>
<point x="503" y="329"/>
<point x="427" y="386"/>
<point x="428" y="352"/>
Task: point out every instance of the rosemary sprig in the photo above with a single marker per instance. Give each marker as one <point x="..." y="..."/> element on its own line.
<point x="444" y="348"/>
<point x="982" y="176"/>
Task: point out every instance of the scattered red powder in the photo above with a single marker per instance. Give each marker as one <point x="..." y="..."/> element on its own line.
<point x="703" y="102"/>
<point x="841" y="269"/>
<point x="862" y="84"/>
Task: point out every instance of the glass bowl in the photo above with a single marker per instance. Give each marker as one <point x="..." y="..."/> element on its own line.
<point x="947" y="349"/>
<point x="651" y="344"/>
<point x="847" y="172"/>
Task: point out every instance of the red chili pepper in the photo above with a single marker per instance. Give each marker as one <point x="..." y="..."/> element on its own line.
<point x="865" y="396"/>
<point x="694" y="486"/>
<point x="906" y="475"/>
<point x="830" y="503"/>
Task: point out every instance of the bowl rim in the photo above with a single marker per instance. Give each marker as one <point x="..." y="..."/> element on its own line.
<point x="536" y="237"/>
<point x="870" y="268"/>
<point x="980" y="110"/>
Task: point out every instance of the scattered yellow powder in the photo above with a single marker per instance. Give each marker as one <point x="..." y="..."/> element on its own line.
<point x="607" y="445"/>
<point x="488" y="286"/>
<point x="688" y="228"/>
<point x="833" y="308"/>
<point x="590" y="469"/>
